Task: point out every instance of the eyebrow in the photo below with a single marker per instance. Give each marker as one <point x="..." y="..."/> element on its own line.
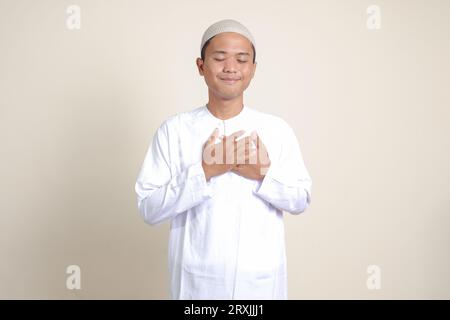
<point x="239" y="53"/>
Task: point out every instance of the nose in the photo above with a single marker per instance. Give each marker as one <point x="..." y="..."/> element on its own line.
<point x="230" y="65"/>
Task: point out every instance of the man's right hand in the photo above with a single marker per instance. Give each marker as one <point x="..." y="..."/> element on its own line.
<point x="222" y="157"/>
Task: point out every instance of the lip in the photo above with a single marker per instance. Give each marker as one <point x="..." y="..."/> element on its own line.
<point x="230" y="80"/>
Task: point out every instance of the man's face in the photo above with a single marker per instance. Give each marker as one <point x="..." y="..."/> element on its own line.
<point x="228" y="67"/>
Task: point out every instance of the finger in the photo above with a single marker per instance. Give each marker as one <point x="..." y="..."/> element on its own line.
<point x="253" y="140"/>
<point x="243" y="143"/>
<point x="238" y="146"/>
<point x="258" y="141"/>
<point x="230" y="141"/>
<point x="260" y="144"/>
<point x="263" y="155"/>
<point x="241" y="148"/>
<point x="212" y="138"/>
<point x="215" y="134"/>
<point x="247" y="156"/>
<point x="236" y="134"/>
<point x="252" y="157"/>
<point x="240" y="157"/>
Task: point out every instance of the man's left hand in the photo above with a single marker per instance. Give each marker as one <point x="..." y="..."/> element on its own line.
<point x="257" y="161"/>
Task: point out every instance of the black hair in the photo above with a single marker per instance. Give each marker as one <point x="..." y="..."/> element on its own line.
<point x="209" y="40"/>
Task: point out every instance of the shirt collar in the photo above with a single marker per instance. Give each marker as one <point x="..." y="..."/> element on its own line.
<point x="239" y="117"/>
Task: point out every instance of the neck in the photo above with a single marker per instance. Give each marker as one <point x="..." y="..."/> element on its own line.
<point x="225" y="109"/>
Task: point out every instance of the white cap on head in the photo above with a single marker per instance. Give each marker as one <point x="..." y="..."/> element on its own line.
<point x="227" y="25"/>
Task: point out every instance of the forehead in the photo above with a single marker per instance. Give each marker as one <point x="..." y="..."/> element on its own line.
<point x="230" y="42"/>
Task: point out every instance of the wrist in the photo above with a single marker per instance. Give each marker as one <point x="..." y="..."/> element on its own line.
<point x="206" y="171"/>
<point x="263" y="171"/>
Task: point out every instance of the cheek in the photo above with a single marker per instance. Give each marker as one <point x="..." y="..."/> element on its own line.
<point x="210" y="74"/>
<point x="247" y="71"/>
<point x="214" y="68"/>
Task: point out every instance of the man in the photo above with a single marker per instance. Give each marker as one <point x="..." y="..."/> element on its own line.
<point x="222" y="174"/>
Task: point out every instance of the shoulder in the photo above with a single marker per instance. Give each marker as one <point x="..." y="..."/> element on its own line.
<point x="175" y="121"/>
<point x="270" y="120"/>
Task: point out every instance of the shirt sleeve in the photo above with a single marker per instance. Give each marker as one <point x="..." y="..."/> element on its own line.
<point x="287" y="183"/>
<point x="162" y="195"/>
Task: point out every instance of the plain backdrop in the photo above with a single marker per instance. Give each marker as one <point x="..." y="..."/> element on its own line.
<point x="370" y="108"/>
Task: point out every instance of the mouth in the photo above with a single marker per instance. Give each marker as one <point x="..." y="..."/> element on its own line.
<point x="230" y="80"/>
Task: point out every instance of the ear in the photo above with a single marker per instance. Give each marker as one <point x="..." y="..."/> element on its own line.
<point x="200" y="63"/>
<point x="254" y="69"/>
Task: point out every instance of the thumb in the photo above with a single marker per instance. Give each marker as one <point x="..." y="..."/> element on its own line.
<point x="254" y="137"/>
<point x="212" y="138"/>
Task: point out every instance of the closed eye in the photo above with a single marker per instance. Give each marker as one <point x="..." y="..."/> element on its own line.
<point x="240" y="61"/>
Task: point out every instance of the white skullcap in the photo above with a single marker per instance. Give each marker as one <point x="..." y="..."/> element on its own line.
<point x="227" y="25"/>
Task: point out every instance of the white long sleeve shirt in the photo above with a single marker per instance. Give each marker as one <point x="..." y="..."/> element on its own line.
<point x="227" y="234"/>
